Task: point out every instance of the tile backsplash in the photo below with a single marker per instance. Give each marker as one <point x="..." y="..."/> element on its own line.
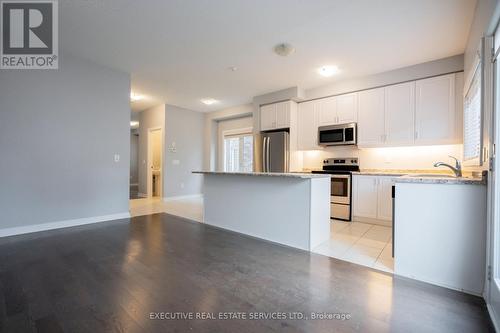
<point x="398" y="158"/>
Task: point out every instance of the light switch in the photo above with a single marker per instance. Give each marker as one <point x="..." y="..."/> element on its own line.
<point x="117" y="157"/>
<point x="176" y="162"/>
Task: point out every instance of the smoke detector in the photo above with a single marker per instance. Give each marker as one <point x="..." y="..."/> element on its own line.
<point x="284" y="49"/>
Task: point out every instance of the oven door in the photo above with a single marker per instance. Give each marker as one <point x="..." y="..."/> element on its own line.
<point x="340" y="189"/>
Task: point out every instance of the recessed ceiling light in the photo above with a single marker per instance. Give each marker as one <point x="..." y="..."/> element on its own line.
<point x="209" y="101"/>
<point x="233" y="68"/>
<point x="327" y="71"/>
<point x="284" y="49"/>
<point x="134" y="123"/>
<point x="135" y="97"/>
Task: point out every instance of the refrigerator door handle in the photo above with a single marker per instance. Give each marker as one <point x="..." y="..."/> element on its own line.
<point x="264" y="162"/>
<point x="268" y="154"/>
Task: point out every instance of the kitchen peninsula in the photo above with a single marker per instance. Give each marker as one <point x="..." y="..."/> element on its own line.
<point x="287" y="208"/>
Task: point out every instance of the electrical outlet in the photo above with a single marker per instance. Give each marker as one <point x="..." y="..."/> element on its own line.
<point x="117" y="157"/>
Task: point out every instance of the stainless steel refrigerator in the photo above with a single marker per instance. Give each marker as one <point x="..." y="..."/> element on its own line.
<point x="276" y="152"/>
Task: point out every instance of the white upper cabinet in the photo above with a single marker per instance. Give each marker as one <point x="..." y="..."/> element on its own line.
<point x="327" y="111"/>
<point x="275" y="116"/>
<point x="347" y="108"/>
<point x="338" y="109"/>
<point x="267" y="117"/>
<point x="283" y="114"/>
<point x="371" y="123"/>
<point x="435" y="118"/>
<point x="307" y="126"/>
<point x="400" y="114"/>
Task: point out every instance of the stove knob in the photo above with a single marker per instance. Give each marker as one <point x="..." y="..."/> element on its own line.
<point x="325" y="161"/>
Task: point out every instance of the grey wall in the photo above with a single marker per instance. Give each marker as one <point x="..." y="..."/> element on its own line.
<point x="59" y="131"/>
<point x="134" y="158"/>
<point x="185" y="128"/>
<point x="151" y="118"/>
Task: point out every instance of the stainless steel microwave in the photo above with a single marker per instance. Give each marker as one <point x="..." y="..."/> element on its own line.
<point x="337" y="135"/>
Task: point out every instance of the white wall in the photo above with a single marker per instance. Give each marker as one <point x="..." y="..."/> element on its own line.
<point x="482" y="17"/>
<point x="211" y="120"/>
<point x="185" y="128"/>
<point x="59" y="132"/>
<point x="151" y="118"/>
<point x="392" y="158"/>
<point x="427" y="69"/>
<point x="227" y="125"/>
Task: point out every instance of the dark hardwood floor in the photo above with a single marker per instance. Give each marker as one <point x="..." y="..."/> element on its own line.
<point x="110" y="277"/>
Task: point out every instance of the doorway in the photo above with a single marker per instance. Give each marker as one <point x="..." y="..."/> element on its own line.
<point x="154" y="163"/>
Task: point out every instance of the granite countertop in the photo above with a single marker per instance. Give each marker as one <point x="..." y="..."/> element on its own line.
<point x="424" y="176"/>
<point x="436" y="179"/>
<point x="265" y="174"/>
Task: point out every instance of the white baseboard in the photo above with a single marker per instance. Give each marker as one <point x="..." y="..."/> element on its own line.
<point x="142" y="195"/>
<point x="494" y="319"/>
<point x="181" y="197"/>
<point x="60" y="224"/>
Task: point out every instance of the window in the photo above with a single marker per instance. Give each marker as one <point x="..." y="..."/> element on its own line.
<point x="238" y="152"/>
<point x="472" y="119"/>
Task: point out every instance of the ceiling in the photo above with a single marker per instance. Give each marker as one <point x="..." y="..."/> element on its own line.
<point x="180" y="51"/>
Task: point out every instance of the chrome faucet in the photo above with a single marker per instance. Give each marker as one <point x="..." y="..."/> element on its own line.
<point x="457" y="169"/>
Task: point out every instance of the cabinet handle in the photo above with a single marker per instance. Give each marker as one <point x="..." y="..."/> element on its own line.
<point x="416" y="135"/>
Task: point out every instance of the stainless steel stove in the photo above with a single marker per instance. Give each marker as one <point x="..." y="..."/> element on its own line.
<point x="340" y="170"/>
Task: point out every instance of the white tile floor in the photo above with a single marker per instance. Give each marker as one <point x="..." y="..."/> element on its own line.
<point x="191" y="208"/>
<point x="361" y="243"/>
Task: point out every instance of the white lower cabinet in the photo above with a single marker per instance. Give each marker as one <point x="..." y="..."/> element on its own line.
<point x="364" y="190"/>
<point x="372" y="198"/>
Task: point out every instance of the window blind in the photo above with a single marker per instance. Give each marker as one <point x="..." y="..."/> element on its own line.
<point x="472" y="118"/>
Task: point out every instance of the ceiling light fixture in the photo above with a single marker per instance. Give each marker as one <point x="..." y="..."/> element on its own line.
<point x="209" y="101"/>
<point x="328" y="71"/>
<point x="135" y="97"/>
<point x="134" y="123"/>
<point x="284" y="49"/>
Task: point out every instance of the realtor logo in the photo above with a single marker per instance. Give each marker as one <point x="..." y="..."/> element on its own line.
<point x="29" y="34"/>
